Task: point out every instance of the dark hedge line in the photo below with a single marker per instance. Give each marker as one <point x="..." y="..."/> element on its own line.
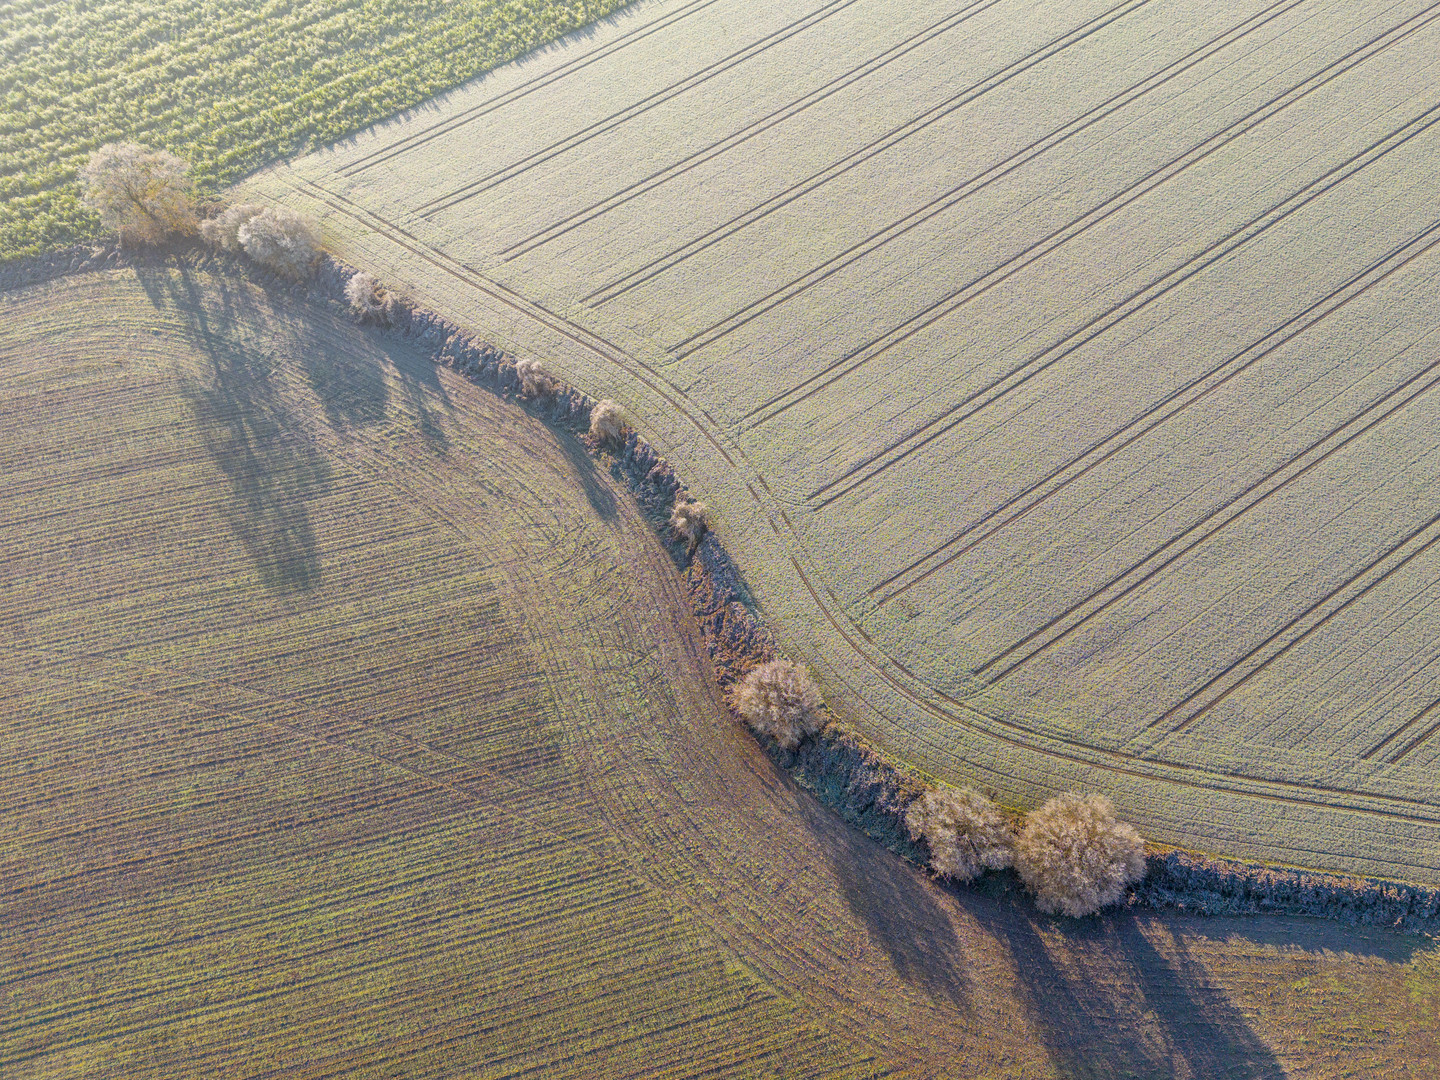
<point x="867" y="789"/>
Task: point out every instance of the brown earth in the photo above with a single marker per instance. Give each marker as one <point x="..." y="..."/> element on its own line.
<point x="355" y="724"/>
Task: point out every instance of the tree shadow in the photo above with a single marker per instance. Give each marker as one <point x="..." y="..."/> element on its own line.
<point x="421" y="389"/>
<point x="901" y="912"/>
<point x="582" y="468"/>
<point x="1295" y="932"/>
<point x="245" y="429"/>
<point x="1108" y="1005"/>
<point x="353" y="395"/>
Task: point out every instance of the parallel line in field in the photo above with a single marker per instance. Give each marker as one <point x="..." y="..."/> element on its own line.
<point x="337" y="721"/>
<point x="688" y="1036"/>
<point x="901" y="448"/>
<point x="622" y="116"/>
<point x="377" y="963"/>
<point x="470" y="276"/>
<point x="609" y="291"/>
<point x="954" y="196"/>
<point x="381" y="1053"/>
<point x="953" y="711"/>
<point x="1199" y="532"/>
<point x="1285" y="792"/>
<point x="750" y="131"/>
<point x="539" y="82"/>
<point x="1297" y="629"/>
<point x="1143" y="424"/>
<point x="1401" y="731"/>
<point x="133" y="948"/>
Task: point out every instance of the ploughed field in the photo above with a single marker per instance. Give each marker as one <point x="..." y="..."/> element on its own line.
<point x="1064" y="375"/>
<point x="354" y="726"/>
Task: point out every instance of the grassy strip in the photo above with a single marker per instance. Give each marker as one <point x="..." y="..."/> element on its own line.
<point x="864" y="787"/>
<point x="227" y="84"/>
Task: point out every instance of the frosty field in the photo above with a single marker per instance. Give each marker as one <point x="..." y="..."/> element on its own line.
<point x="228" y="84"/>
<point x="1064" y="376"/>
<point x="355" y="727"/>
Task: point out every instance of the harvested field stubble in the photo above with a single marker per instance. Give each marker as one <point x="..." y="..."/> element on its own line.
<point x="1063" y="377"/>
<point x="396" y="747"/>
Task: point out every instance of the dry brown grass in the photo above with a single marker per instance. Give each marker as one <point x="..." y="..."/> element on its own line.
<point x="779" y="699"/>
<point x="143" y="194"/>
<point x="965" y="831"/>
<point x="1076" y="857"/>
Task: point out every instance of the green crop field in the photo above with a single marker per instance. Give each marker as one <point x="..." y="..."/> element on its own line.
<point x="227" y="84"/>
<point x="355" y="726"/>
<point x="1063" y="376"/>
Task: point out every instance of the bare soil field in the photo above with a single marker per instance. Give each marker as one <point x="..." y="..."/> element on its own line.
<point x="355" y="725"/>
<point x="1063" y="375"/>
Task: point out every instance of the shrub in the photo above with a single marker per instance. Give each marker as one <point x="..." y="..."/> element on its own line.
<point x="780" y="699"/>
<point x="280" y="239"/>
<point x="223" y="230"/>
<point x="142" y="194"/>
<point x="965" y="832"/>
<point x="607" y="422"/>
<point x="1076" y="857"/>
<point x="690" y="521"/>
<point x="368" y="299"/>
<point x="535" y="382"/>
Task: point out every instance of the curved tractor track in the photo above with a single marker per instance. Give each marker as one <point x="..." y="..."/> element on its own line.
<point x="355" y="725"/>
<point x="1024" y="352"/>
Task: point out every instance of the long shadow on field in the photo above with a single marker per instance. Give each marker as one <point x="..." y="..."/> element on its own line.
<point x="902" y="916"/>
<point x="421" y="389"/>
<point x="353" y="393"/>
<point x="245" y="428"/>
<point x="1288" y="932"/>
<point x="1107" y="1004"/>
<point x="582" y="467"/>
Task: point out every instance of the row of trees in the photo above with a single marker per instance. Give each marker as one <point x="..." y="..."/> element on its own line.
<point x="1072" y="853"/>
<point x="146" y="197"/>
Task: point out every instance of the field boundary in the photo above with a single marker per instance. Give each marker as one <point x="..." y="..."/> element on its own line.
<point x="866" y="788"/>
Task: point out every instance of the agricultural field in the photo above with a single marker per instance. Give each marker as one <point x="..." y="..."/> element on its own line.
<point x="229" y="85"/>
<point x="1063" y="376"/>
<point x="356" y="726"/>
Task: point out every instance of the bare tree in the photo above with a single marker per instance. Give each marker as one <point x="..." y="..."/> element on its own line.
<point x="276" y="237"/>
<point x="368" y="299"/>
<point x="780" y="699"/>
<point x="607" y="422"/>
<point x="965" y="831"/>
<point x="280" y="239"/>
<point x="223" y="230"/>
<point x="535" y="382"/>
<point x="143" y="194"/>
<point x="690" y="521"/>
<point x="1076" y="857"/>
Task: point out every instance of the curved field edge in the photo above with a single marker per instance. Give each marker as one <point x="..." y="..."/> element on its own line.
<point x="228" y="86"/>
<point x="841" y="935"/>
<point x="864" y="786"/>
<point x="1206" y="805"/>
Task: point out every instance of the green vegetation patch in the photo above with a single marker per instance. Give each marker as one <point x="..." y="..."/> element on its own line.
<point x="228" y="84"/>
